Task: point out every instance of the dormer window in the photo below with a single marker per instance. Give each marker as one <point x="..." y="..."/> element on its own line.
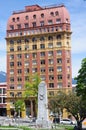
<point x="56" y="13"/>
<point x="34" y="16"/>
<point x="26" y="17"/>
<point x="52" y="13"/>
<point x="13" y="19"/>
<point x="17" y="18"/>
<point x="42" y="15"/>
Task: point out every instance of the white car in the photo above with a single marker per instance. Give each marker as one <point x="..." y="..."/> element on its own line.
<point x="66" y="121"/>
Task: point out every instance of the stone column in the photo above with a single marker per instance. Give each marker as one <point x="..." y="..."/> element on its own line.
<point x="31" y="107"/>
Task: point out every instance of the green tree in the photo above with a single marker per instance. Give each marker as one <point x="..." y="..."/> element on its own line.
<point x="56" y="103"/>
<point x="81" y="80"/>
<point x="77" y="107"/>
<point x="19" y="106"/>
<point x="74" y="104"/>
<point x="31" y="87"/>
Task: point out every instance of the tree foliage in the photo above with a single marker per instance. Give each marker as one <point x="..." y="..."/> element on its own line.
<point x="74" y="104"/>
<point x="31" y="87"/>
<point x="56" y="103"/>
<point x="81" y="79"/>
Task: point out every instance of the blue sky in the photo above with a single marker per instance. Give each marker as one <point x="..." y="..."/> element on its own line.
<point x="77" y="10"/>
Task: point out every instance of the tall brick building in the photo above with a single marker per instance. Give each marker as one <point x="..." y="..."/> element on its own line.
<point x="38" y="41"/>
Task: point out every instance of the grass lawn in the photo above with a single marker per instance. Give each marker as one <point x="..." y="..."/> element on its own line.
<point x="61" y="127"/>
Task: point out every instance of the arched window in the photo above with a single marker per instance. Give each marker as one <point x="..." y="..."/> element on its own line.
<point x="50" y="38"/>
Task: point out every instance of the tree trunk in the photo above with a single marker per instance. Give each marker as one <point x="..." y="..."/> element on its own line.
<point x="79" y="125"/>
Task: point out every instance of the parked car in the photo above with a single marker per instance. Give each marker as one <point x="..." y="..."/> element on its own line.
<point x="66" y="121"/>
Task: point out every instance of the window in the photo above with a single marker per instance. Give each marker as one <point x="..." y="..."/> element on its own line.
<point x="19" y="86"/>
<point x="50" y="38"/>
<point x="59" y="61"/>
<point x="58" y="21"/>
<point x="26" y="63"/>
<point x="50" y="53"/>
<point x="59" y="44"/>
<point x="26" y="40"/>
<point x="42" y="62"/>
<point x="19" y="56"/>
<point x="34" y="24"/>
<point x="56" y="13"/>
<point x="19" y="41"/>
<point x="34" y="47"/>
<point x="26" y="17"/>
<point x="18" y="26"/>
<point x="51" y="69"/>
<point x="26" y="56"/>
<point x="17" y="18"/>
<point x="50" y="45"/>
<point x="11" y="71"/>
<point x="68" y="60"/>
<point x="42" y="54"/>
<point x="59" y="69"/>
<point x="67" y="20"/>
<point x="4" y="90"/>
<point x="0" y="99"/>
<point x="11" y="49"/>
<point x="34" y="39"/>
<point x="11" y="57"/>
<point x="50" y="61"/>
<point x="58" y="36"/>
<point x="34" y="70"/>
<point x="12" y="94"/>
<point x="50" y="22"/>
<point x="51" y="77"/>
<point x="42" y="46"/>
<point x="26" y="25"/>
<point x="59" y="52"/>
<point x="12" y="42"/>
<point x="13" y="19"/>
<point x="12" y="27"/>
<point x="19" y="71"/>
<point x="0" y="90"/>
<point x="26" y="70"/>
<point x="51" y="93"/>
<point x="19" y="94"/>
<point x="34" y="55"/>
<point x="42" y="15"/>
<point x="34" y="62"/>
<point x="19" y="63"/>
<point x="12" y="79"/>
<point x="43" y="78"/>
<point x="42" y="23"/>
<point x="19" y="48"/>
<point x="52" y="13"/>
<point x="68" y="68"/>
<point x="11" y="86"/>
<point x="42" y="38"/>
<point x="26" y="47"/>
<point x="59" y="77"/>
<point x="34" y="16"/>
<point x="42" y="70"/>
<point x="59" y="85"/>
<point x="51" y="85"/>
<point x="11" y="64"/>
<point x="19" y="79"/>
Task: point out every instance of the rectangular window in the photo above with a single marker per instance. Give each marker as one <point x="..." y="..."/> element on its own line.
<point x="42" y="62"/>
<point x="58" y="21"/>
<point x="34" y="47"/>
<point x="59" y="44"/>
<point x="42" y="46"/>
<point x="51" y="85"/>
<point x="34" y="24"/>
<point x="59" y="61"/>
<point x="50" y="22"/>
<point x="50" y="53"/>
<point x="26" y="25"/>
<point x="42" y="54"/>
<point x="42" y="23"/>
<point x="59" y="52"/>
<point x="50" y="45"/>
